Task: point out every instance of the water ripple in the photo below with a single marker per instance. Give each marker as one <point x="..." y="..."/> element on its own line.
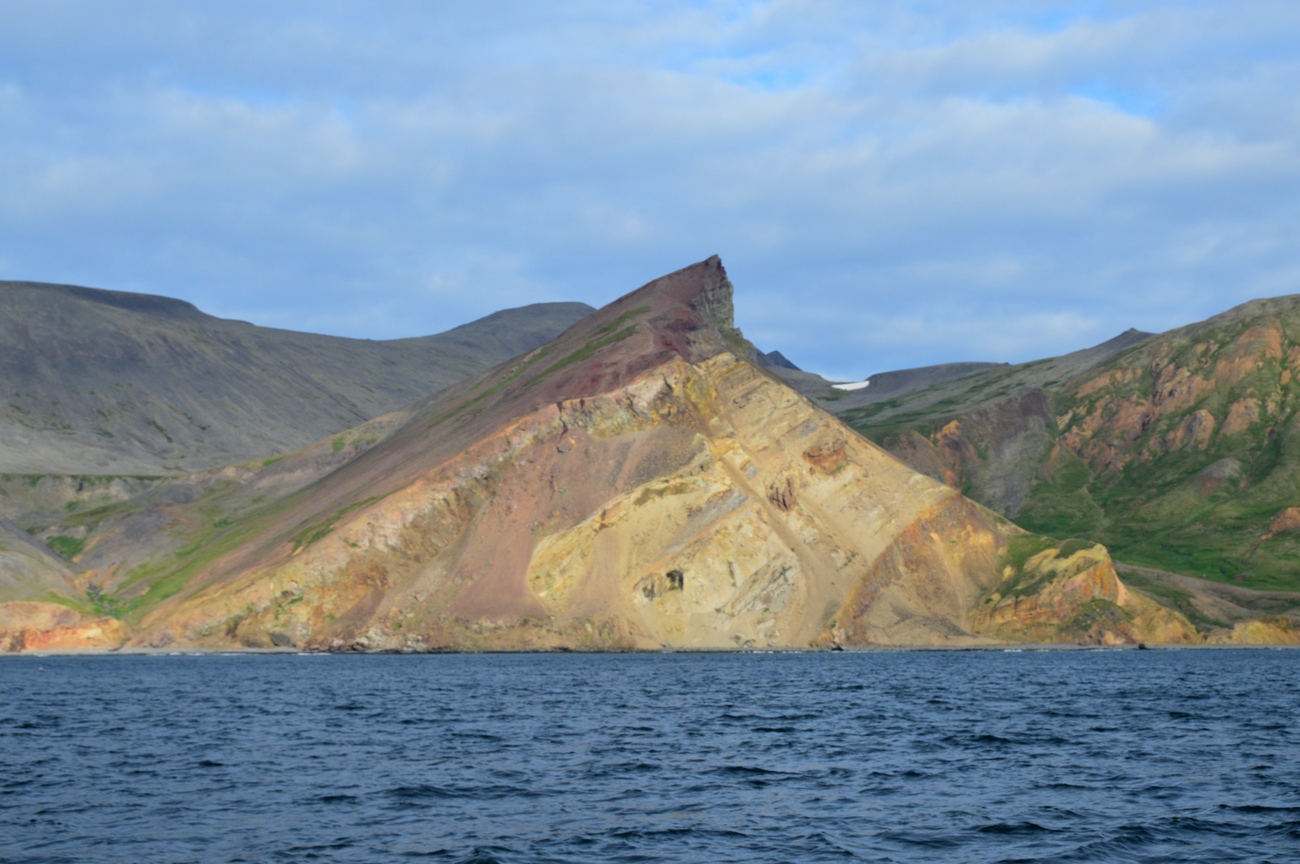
<point x="1162" y="756"/>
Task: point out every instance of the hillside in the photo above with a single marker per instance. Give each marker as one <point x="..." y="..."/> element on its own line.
<point x="1179" y="452"/>
<point x="109" y="383"/>
<point x="30" y="616"/>
<point x="638" y="482"/>
<point x="27" y="567"/>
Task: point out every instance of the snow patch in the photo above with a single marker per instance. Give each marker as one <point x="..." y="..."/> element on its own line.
<point x="856" y="385"/>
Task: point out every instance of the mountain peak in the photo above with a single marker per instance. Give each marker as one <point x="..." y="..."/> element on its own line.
<point x="687" y="313"/>
<point x="635" y="482"/>
<point x="692" y="312"/>
<point x="702" y="288"/>
<point x="29" y="298"/>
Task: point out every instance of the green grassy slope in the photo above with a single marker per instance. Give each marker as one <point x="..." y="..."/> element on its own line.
<point x="1181" y="452"/>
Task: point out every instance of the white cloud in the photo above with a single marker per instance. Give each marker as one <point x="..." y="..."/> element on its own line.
<point x="998" y="180"/>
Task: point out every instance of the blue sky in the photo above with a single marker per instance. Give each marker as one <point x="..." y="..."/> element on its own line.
<point x="890" y="184"/>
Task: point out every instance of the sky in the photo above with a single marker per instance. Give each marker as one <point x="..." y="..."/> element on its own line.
<point x="889" y="184"/>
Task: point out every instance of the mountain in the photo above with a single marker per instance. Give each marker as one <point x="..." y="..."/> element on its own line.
<point x="876" y="388"/>
<point x="1002" y="415"/>
<point x="1179" y="452"/>
<point x="886" y="385"/>
<point x="109" y="383"/>
<point x="640" y="481"/>
<point x="775" y="360"/>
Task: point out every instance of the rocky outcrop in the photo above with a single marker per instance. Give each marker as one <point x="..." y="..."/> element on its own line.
<point x="1268" y="630"/>
<point x="1071" y="593"/>
<point x="33" y="626"/>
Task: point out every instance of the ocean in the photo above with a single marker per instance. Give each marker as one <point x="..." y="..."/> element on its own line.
<point x="953" y="756"/>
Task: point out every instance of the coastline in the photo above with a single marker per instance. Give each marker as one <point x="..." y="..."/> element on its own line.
<point x="864" y="649"/>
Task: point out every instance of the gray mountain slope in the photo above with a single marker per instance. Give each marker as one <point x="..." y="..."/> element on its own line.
<point x="886" y="385"/>
<point x="976" y="388"/>
<point x="27" y="569"/>
<point x="110" y="383"/>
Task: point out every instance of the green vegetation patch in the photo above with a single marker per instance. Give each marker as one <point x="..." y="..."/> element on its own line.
<point x="103" y="604"/>
<point x="1023" y="547"/>
<point x="1061" y="505"/>
<point x="68" y="547"/>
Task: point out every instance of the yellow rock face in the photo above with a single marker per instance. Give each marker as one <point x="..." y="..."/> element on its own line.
<point x="763" y="537"/>
<point x="1077" y="597"/>
<point x="1263" y="631"/>
<point x="35" y="626"/>
<point x="700" y="505"/>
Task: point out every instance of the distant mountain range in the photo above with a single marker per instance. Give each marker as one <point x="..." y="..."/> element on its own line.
<point x="637" y="476"/>
<point x="111" y="383"/>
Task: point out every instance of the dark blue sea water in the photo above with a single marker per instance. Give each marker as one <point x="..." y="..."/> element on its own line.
<point x="1176" y="756"/>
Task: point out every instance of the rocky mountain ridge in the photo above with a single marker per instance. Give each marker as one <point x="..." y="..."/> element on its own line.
<point x="637" y="482"/>
<point x="1178" y="451"/>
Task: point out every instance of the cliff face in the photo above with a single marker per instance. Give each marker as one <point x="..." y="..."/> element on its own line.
<point x="637" y="482"/>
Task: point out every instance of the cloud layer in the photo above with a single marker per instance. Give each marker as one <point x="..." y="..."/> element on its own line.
<point x="889" y="184"/>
